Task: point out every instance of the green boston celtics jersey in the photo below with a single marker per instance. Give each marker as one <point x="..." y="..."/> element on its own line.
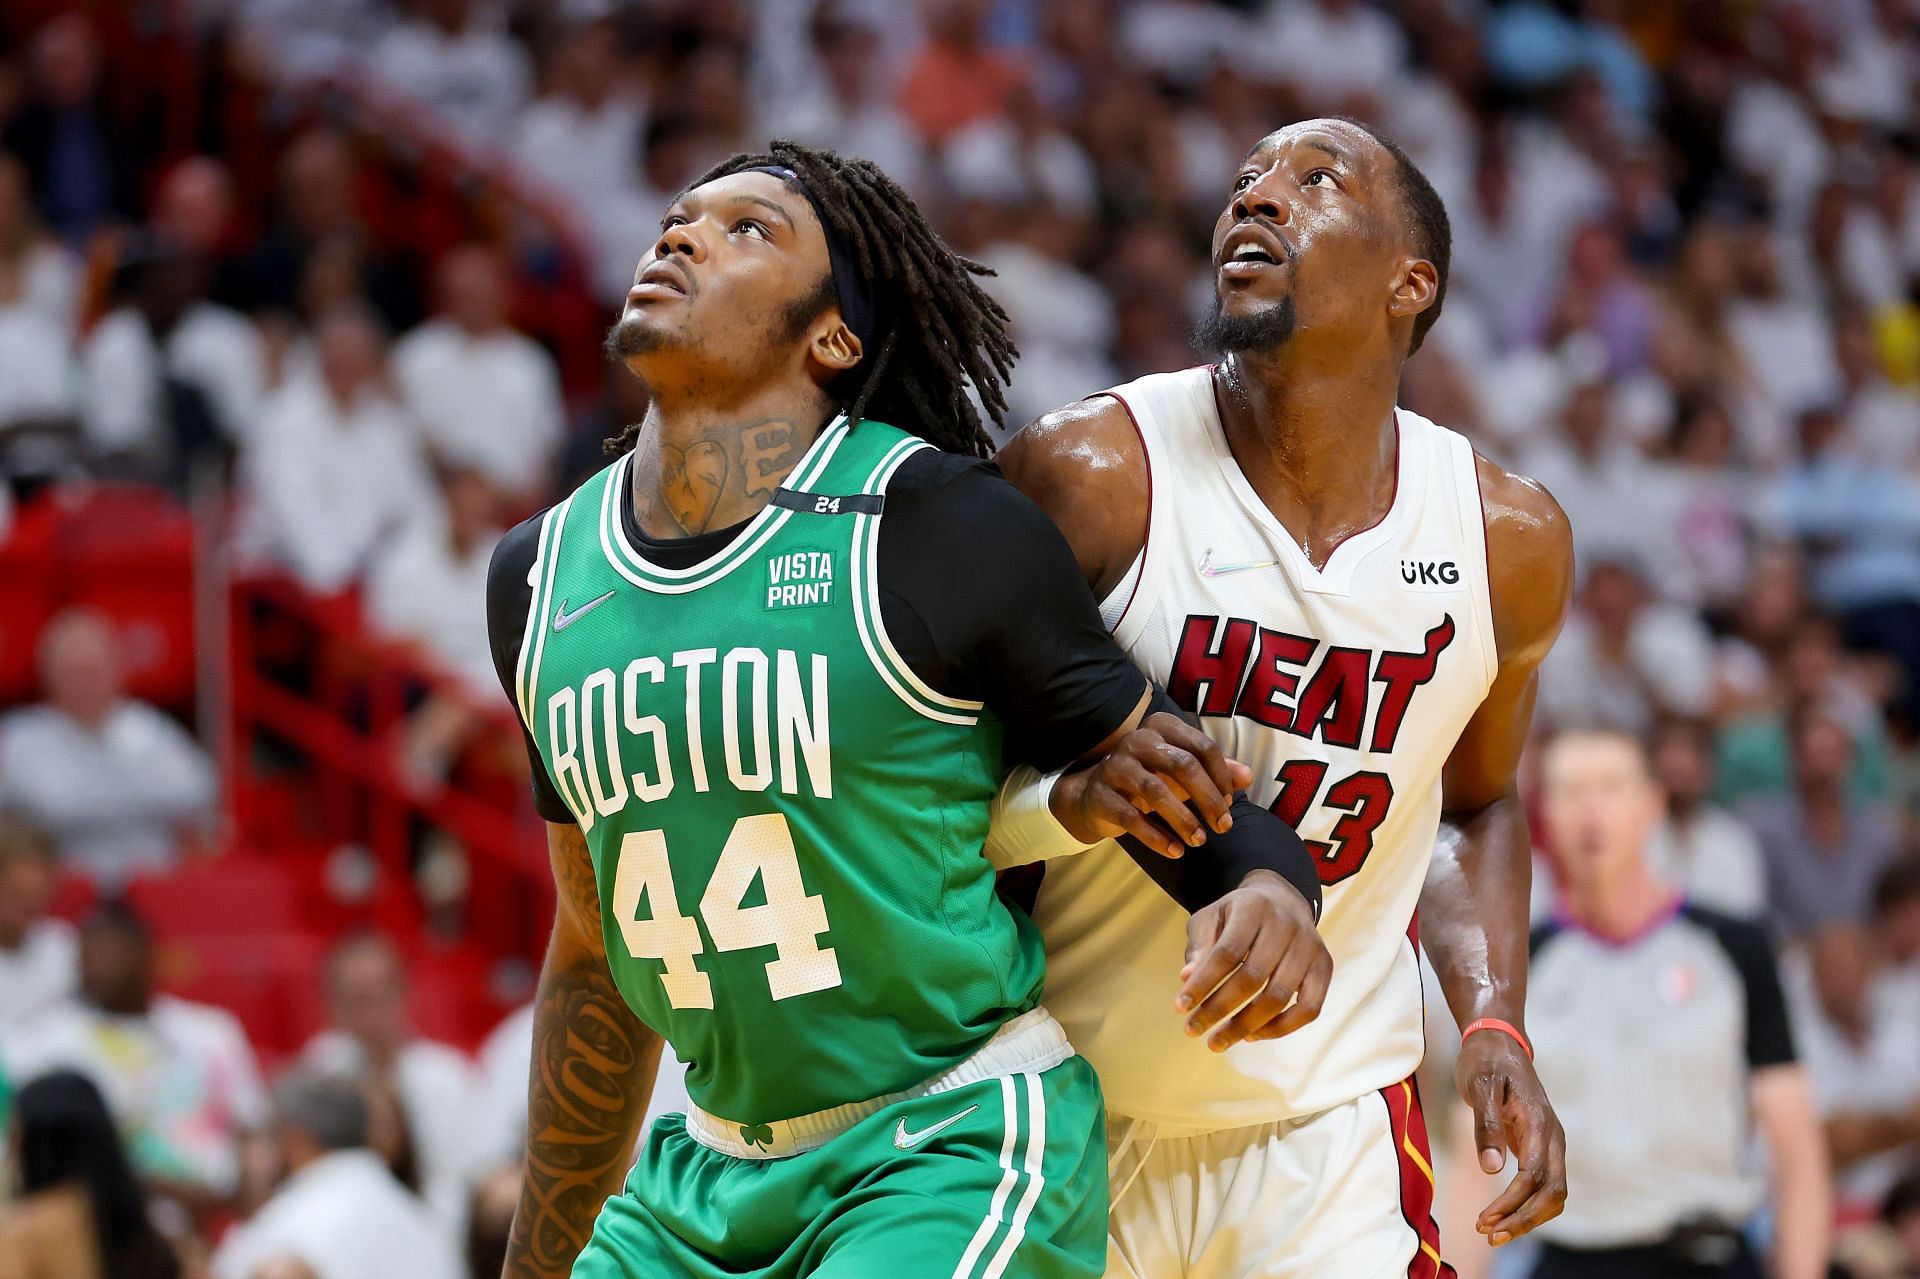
<point x="785" y="822"/>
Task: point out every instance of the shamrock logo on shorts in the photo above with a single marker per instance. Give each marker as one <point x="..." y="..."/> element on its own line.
<point x="757" y="1135"/>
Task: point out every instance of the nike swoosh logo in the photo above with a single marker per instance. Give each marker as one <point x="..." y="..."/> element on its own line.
<point x="904" y="1140"/>
<point x="563" y="619"/>
<point x="1209" y="569"/>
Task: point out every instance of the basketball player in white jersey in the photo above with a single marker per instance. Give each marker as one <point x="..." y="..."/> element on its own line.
<point x="1355" y="605"/>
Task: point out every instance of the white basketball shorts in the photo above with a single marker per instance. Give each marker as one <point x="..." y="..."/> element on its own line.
<point x="1347" y="1192"/>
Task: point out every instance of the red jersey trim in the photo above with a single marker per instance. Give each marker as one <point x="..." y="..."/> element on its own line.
<point x="1417" y="1187"/>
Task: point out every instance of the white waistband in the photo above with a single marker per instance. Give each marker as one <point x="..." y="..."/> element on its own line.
<point x="1030" y="1042"/>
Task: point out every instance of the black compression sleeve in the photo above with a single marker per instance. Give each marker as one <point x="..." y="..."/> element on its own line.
<point x="1259" y="840"/>
<point x="509" y="596"/>
<point x="983" y="591"/>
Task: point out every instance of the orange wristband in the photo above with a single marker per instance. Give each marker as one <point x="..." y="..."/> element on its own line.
<point x="1504" y="1027"/>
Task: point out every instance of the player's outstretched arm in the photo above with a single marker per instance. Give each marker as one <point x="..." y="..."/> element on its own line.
<point x="593" y="1066"/>
<point x="1473" y="911"/>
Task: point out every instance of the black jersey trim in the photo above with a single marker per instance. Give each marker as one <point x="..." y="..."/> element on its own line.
<point x="828" y="504"/>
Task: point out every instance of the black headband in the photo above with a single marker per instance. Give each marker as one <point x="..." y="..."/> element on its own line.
<point x="850" y="288"/>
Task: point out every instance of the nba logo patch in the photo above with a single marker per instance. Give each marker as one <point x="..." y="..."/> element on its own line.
<point x="800" y="579"/>
<point x="1677" y="985"/>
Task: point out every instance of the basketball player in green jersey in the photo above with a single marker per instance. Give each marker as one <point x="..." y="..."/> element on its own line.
<point x="773" y="663"/>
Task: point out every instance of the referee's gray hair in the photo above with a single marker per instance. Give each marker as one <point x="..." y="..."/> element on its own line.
<point x="327" y="1106"/>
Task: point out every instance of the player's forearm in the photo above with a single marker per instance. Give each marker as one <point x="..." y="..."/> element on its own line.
<point x="593" y="1066"/>
<point x="1473" y="911"/>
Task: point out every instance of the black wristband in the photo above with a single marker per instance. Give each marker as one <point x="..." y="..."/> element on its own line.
<point x="1259" y="840"/>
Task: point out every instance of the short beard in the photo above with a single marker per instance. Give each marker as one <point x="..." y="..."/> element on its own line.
<point x="625" y="340"/>
<point x="628" y="337"/>
<point x="1267" y="329"/>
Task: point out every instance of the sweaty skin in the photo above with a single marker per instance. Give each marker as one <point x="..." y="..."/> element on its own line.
<point x="1308" y="417"/>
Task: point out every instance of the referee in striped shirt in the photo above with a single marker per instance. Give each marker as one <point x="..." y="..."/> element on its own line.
<point x="1662" y="1036"/>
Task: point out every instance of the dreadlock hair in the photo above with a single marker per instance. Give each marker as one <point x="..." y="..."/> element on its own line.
<point x="937" y="333"/>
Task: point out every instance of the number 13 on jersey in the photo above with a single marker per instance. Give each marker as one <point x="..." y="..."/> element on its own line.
<point x="791" y="921"/>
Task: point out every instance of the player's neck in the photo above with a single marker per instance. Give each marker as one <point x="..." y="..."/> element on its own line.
<point x="701" y="465"/>
<point x="1316" y="441"/>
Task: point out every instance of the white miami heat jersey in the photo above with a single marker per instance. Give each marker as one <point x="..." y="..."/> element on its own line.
<point x="1344" y="689"/>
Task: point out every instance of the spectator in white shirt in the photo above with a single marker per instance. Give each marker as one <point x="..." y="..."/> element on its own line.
<point x="371" y="1036"/>
<point x="170" y="375"/>
<point x="335" y="471"/>
<point x="1606" y="486"/>
<point x="429" y="590"/>
<point x="1857" y="1020"/>
<point x="1785" y="342"/>
<point x="1860" y="526"/>
<point x="1699" y="845"/>
<point x="1704" y="495"/>
<point x="1896" y="915"/>
<point x="180" y="1077"/>
<point x="1331" y="50"/>
<point x="1771" y="132"/>
<point x="39" y="380"/>
<point x="473" y="78"/>
<point x="1624" y="660"/>
<point x="113" y="781"/>
<point x="338" y="1210"/>
<point x="1021" y="156"/>
<point x="678" y="146"/>
<point x="484" y="394"/>
<point x="48" y="275"/>
<point x="847" y="105"/>
<point x="1183" y="40"/>
<point x="39" y="376"/>
<point x="430" y="593"/>
<point x="39" y="955"/>
<point x="582" y="136"/>
<point x="1882" y="417"/>
<point x="1062" y="319"/>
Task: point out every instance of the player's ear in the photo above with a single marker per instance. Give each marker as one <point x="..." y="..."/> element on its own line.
<point x="834" y="344"/>
<point x="1414" y="288"/>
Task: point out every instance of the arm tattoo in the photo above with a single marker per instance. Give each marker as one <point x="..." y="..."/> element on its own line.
<point x="679" y="491"/>
<point x="593" y="1064"/>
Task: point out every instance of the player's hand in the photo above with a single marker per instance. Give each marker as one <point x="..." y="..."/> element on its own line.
<point x="1166" y="783"/>
<point x="1255" y="962"/>
<point x="1511" y="1113"/>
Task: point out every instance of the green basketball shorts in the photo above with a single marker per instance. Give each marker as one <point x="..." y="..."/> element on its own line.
<point x="993" y="1171"/>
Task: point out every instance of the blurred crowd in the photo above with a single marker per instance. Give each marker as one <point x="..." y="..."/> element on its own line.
<point x="340" y="269"/>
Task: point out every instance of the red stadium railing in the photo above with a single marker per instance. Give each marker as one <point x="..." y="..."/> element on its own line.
<point x="309" y="674"/>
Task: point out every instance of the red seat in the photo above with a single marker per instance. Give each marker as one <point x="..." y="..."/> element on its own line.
<point x="128" y="552"/>
<point x="229" y="897"/>
<point x="452" y="1001"/>
<point x="28" y="597"/>
<point x="270" y="982"/>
